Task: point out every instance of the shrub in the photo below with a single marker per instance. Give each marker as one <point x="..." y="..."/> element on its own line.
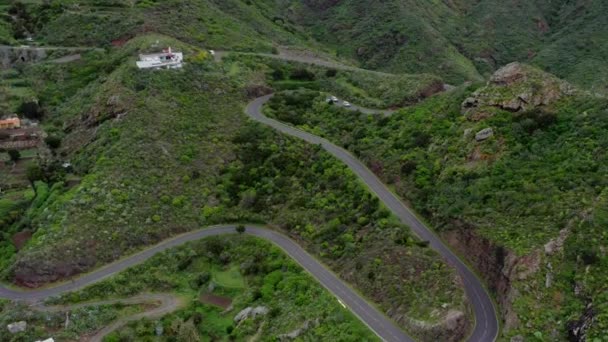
<point x="240" y="229"/>
<point x="14" y="155"/>
<point x="34" y="173"/>
<point x="30" y="110"/>
<point x="53" y="141"/>
<point x="302" y="74"/>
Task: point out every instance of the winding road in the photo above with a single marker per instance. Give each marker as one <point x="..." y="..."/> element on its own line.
<point x="370" y="315"/>
<point x="486" y="318"/>
<point x="486" y="321"/>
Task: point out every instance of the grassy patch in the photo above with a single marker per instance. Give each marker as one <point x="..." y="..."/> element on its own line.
<point x="230" y="278"/>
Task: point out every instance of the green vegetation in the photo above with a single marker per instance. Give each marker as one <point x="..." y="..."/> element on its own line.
<point x="459" y="40"/>
<point x="541" y="172"/>
<point x="368" y="88"/>
<point x="230" y="278"/>
<point x="42" y="325"/>
<point x="210" y="165"/>
<point x="266" y="277"/>
<point x="160" y="153"/>
<point x="231" y="24"/>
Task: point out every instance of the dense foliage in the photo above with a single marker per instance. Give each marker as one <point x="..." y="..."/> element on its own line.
<point x="161" y="153"/>
<point x="367" y="88"/>
<point x="535" y="177"/>
<point x="245" y="272"/>
<point x="42" y="325"/>
<point x="459" y="40"/>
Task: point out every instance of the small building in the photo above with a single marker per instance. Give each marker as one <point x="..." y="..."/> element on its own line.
<point x="10" y="123"/>
<point x="167" y="59"/>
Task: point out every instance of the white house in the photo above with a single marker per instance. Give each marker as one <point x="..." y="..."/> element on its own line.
<point x="167" y="59"/>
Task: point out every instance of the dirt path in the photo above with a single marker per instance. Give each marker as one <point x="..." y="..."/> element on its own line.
<point x="164" y="303"/>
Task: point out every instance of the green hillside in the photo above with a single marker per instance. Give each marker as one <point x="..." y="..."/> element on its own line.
<point x="460" y="40"/>
<point x="498" y="141"/>
<point x="161" y="153"/>
<point x="535" y="189"/>
<point x="226" y="25"/>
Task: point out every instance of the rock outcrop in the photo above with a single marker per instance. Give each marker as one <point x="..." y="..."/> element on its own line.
<point x="484" y="134"/>
<point x="577" y="330"/>
<point x="499" y="267"/>
<point x="10" y="56"/>
<point x="516" y="88"/>
<point x="296" y="333"/>
<point x="17" y="327"/>
<point x="250" y="312"/>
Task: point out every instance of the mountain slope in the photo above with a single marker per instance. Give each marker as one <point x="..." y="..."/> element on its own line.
<point x="464" y="38"/>
<point x="512" y="173"/>
<point x="160" y="153"/>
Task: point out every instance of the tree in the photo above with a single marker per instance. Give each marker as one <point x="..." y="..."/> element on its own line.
<point x="34" y="173"/>
<point x="53" y="141"/>
<point x="14" y="155"/>
<point x="240" y="229"/>
<point x="302" y="74"/>
<point x="31" y="110"/>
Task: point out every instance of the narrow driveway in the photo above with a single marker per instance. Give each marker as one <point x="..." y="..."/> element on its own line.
<point x="486" y="319"/>
<point x="166" y="303"/>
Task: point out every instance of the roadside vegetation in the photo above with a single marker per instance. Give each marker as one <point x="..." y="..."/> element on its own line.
<point x="153" y="154"/>
<point x="463" y="40"/>
<point x="540" y="175"/>
<point x="368" y="88"/>
<point x="42" y="325"/>
<point x="219" y="277"/>
<point x="161" y="153"/>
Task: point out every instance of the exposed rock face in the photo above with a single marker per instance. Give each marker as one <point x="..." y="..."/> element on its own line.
<point x="17" y="327"/>
<point x="516" y="88"/>
<point x="451" y="328"/>
<point x="43" y="270"/>
<point x="9" y="56"/>
<point x="484" y="134"/>
<point x="255" y="91"/>
<point x="432" y="89"/>
<point x="508" y="75"/>
<point x="577" y="330"/>
<point x="296" y="333"/>
<point x="250" y="312"/>
<point x="498" y="266"/>
<point x="517" y="338"/>
<point x="556" y="245"/>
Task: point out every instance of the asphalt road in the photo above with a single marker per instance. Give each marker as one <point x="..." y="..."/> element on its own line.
<point x="486" y="327"/>
<point x="377" y="322"/>
<point x="486" y="320"/>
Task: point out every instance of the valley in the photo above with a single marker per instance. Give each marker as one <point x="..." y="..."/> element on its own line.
<point x="453" y="190"/>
